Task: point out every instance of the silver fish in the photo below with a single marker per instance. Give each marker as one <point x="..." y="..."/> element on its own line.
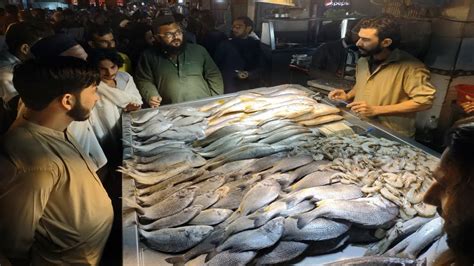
<point x="319" y="178"/>
<point x="207" y="199"/>
<point x="377" y="261"/>
<point x="326" y="246"/>
<point x="317" y="230"/>
<point x="143" y="117"/>
<point x="177" y="219"/>
<point x="167" y="162"/>
<point x="263" y="237"/>
<point x="153" y="129"/>
<point x="274" y="138"/>
<point x="157" y="196"/>
<point x="336" y="191"/>
<point x="301" y="207"/>
<point x="305" y="170"/>
<point x="368" y="212"/>
<point x="153" y="149"/>
<point x="185" y="176"/>
<point x="220" y="133"/>
<point x="159" y="177"/>
<point x="211" y="216"/>
<point x="240" y="224"/>
<point x="232" y="258"/>
<point x="235" y="166"/>
<point x="260" y="195"/>
<point x="283" y="251"/>
<point x="185" y="121"/>
<point x="288" y="163"/>
<point x="176" y="239"/>
<point x="267" y="213"/>
<point x="210" y="185"/>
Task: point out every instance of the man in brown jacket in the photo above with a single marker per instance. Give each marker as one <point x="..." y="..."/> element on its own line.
<point x="391" y="85"/>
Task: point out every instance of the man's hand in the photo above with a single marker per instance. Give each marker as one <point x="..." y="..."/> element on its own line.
<point x="338" y="94"/>
<point x="468" y="106"/>
<point x="132" y="107"/>
<point x="363" y="109"/>
<point x="154" y="101"/>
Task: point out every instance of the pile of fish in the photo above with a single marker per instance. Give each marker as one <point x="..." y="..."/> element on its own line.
<point x="250" y="180"/>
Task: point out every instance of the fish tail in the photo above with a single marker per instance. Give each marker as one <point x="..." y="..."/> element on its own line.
<point x="303" y="221"/>
<point x="130" y="203"/>
<point x="211" y="255"/>
<point x="177" y="260"/>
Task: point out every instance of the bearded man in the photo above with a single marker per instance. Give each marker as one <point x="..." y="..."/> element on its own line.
<point x="391" y="85"/>
<point x="175" y="71"/>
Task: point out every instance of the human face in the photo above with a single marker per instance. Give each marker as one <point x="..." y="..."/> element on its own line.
<point x="108" y="70"/>
<point x="453" y="199"/>
<point x="103" y="42"/>
<point x="239" y="30"/>
<point x="369" y="43"/>
<point x="149" y="39"/>
<point x="171" y="35"/>
<point x="85" y="102"/>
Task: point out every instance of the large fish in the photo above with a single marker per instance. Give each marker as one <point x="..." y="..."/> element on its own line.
<point x="336" y="191"/>
<point x="157" y="196"/>
<point x="260" y="195"/>
<point x="283" y="251"/>
<point x="319" y="178"/>
<point x="367" y="212"/>
<point x="153" y="129"/>
<point x="210" y="185"/>
<point x="288" y="163"/>
<point x="231" y="258"/>
<point x="211" y="216"/>
<point x="377" y="261"/>
<point x="142" y="117"/>
<point x="222" y="132"/>
<point x="167" y="162"/>
<point x="301" y="207"/>
<point x="175" y="240"/>
<point x="189" y="174"/>
<point x="177" y="219"/>
<point x="317" y="230"/>
<point x="278" y="136"/>
<point x="305" y="170"/>
<point x="207" y="199"/>
<point x="156" y="177"/>
<point x="263" y="237"/>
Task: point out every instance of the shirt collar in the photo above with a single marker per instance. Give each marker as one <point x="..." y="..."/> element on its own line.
<point x="22" y="122"/>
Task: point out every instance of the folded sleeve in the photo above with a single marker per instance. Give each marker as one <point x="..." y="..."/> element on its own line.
<point x="418" y="86"/>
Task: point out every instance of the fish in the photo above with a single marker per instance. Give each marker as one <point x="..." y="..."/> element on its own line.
<point x="157" y="196"/>
<point x="220" y="133"/>
<point x="186" y="121"/>
<point x="233" y="167"/>
<point x="379" y="261"/>
<point x="274" y="125"/>
<point x="258" y="196"/>
<point x="158" y="177"/>
<point x="317" y="230"/>
<point x="174" y="220"/>
<point x="283" y="135"/>
<point x="319" y="178"/>
<point x="151" y="149"/>
<point x="263" y="237"/>
<point x="168" y="162"/>
<point x="210" y="185"/>
<point x="267" y="213"/>
<point x="171" y="205"/>
<point x="367" y="212"/>
<point x="283" y="251"/>
<point x="301" y="207"/>
<point x="223" y="148"/>
<point x="287" y="164"/>
<point x="186" y="111"/>
<point x="361" y="235"/>
<point x="231" y="258"/>
<point x="336" y="191"/>
<point x="143" y="117"/>
<point x="319" y="110"/>
<point x="321" y="120"/>
<point x="185" y="176"/>
<point x="182" y="135"/>
<point x="211" y="216"/>
<point x="207" y="199"/>
<point x="154" y="129"/>
<point x="238" y="225"/>
<point x="325" y="246"/>
<point x="414" y="244"/>
<point x="305" y="170"/>
<point x="178" y="239"/>
<point x="297" y="139"/>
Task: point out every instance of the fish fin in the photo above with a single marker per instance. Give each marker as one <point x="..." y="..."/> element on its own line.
<point x="302" y="222"/>
<point x="259" y="221"/>
<point x="211" y="255"/>
<point x="177" y="260"/>
<point x="132" y="204"/>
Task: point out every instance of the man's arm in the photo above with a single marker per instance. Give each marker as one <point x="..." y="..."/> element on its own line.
<point x="212" y="75"/>
<point x="144" y="79"/>
<point x="409" y="106"/>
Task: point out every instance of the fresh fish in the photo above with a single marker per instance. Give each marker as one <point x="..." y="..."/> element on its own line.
<point x="185" y="176"/>
<point x="167" y="162"/>
<point x="399" y="230"/>
<point x="321" y="120"/>
<point x="207" y="199"/>
<point x="164" y="152"/>
<point x="319" y="178"/>
<point x="305" y="170"/>
<point x="175" y="240"/>
<point x="301" y="207"/>
<point x="231" y="200"/>
<point x="240" y="224"/>
<point x="171" y="205"/>
<point x="288" y="110"/>
<point x="157" y="177"/>
<point x="182" y="135"/>
<point x="297" y="139"/>
<point x="157" y="196"/>
<point x="177" y="219"/>
<point x="260" y="195"/>
<point x="267" y="213"/>
<point x="325" y="246"/>
<point x="288" y="163"/>
<point x="317" y="230"/>
<point x="153" y="129"/>
<point x="223" y="148"/>
<point x="186" y="111"/>
<point x="211" y="216"/>
<point x="414" y="244"/>
<point x="210" y="185"/>
<point x="336" y="191"/>
<point x="281" y="252"/>
<point x="232" y="258"/>
<point x="143" y="117"/>
<point x="283" y="135"/>
<point x="367" y="212"/>
<point x="235" y="166"/>
<point x="265" y="236"/>
<point x="222" y="132"/>
<point x="186" y="121"/>
<point x="152" y="149"/>
<point x="262" y="164"/>
<point x="319" y="110"/>
<point x="377" y="261"/>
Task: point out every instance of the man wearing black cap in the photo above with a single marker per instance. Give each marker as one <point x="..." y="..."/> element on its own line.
<point x="176" y="71"/>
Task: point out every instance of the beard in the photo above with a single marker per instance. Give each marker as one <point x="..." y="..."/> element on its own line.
<point x="79" y="112"/>
<point x="459" y="238"/>
<point x="170" y="49"/>
<point x="370" y="52"/>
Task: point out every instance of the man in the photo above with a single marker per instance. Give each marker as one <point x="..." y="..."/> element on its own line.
<point x="53" y="208"/>
<point x="175" y="71"/>
<point x="102" y="37"/>
<point x="453" y="193"/>
<point x="391" y="85"/>
<point x="20" y="37"/>
<point x="240" y="58"/>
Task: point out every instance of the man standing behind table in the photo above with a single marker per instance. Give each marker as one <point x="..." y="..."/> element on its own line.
<point x="175" y="71"/>
<point x="391" y="85"/>
<point x="53" y="207"/>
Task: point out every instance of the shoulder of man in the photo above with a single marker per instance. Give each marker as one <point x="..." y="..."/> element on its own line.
<point x="406" y="58"/>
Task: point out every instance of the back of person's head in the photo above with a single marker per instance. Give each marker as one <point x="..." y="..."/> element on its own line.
<point x="98" y="30"/>
<point x="460" y="142"/>
<point x="246" y="20"/>
<point x="28" y="33"/>
<point x="58" y="44"/>
<point x="387" y="28"/>
<point x="98" y="55"/>
<point x="161" y="21"/>
<point x="39" y="81"/>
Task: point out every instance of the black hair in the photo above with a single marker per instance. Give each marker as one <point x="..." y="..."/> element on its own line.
<point x="387" y="27"/>
<point x="97" y="55"/>
<point x="247" y="21"/>
<point x="460" y="141"/>
<point x="99" y="30"/>
<point x="161" y="21"/>
<point x="26" y="33"/>
<point x="39" y="81"/>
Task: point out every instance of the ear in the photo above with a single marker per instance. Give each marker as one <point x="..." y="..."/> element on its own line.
<point x="25" y="49"/>
<point x="386" y="42"/>
<point x="68" y="101"/>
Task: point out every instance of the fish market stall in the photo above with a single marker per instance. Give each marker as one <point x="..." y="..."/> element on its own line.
<point x="267" y="176"/>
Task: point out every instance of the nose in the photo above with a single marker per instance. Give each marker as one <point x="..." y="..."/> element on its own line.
<point x="358" y="43"/>
<point x="109" y="72"/>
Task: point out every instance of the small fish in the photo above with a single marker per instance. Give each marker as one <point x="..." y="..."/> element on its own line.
<point x="210" y="185"/>
<point x="178" y="239"/>
<point x="143" y="116"/>
<point x="260" y="195"/>
<point x="319" y="178"/>
<point x="301" y="207"/>
<point x="231" y="258"/>
<point x="207" y="199"/>
<point x="283" y="251"/>
<point x="378" y="260"/>
<point x="211" y="216"/>
<point x="152" y="130"/>
<point x="317" y="230"/>
<point x="288" y="163"/>
<point x="336" y="191"/>
<point x="157" y="196"/>
<point x="177" y="219"/>
<point x="158" y="177"/>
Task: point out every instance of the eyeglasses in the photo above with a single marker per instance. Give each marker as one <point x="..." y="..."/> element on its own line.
<point x="169" y="35"/>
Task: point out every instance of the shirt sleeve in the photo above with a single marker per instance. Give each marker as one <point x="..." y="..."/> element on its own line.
<point x="23" y="197"/>
<point x="418" y="86"/>
<point x="144" y="78"/>
<point x="212" y="75"/>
